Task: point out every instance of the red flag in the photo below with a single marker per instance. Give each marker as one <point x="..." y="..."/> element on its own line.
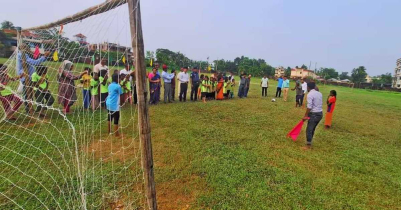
<point x="294" y="133"/>
<point x="36" y="53"/>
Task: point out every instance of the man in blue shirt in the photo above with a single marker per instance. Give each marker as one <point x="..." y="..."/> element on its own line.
<point x="195" y="81"/>
<point x="25" y="62"/>
<point x="113" y="103"/>
<point x="167" y="84"/>
<point x="280" y="83"/>
<point x="285" y="87"/>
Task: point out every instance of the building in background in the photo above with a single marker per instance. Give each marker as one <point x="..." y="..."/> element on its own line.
<point x="368" y="79"/>
<point x="81" y="39"/>
<point x="397" y="75"/>
<point x="111" y="47"/>
<point x="302" y="73"/>
<point x="280" y="71"/>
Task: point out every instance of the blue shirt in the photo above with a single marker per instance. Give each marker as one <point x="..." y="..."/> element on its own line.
<point x="113" y="100"/>
<point x="30" y="63"/>
<point x="280" y="82"/>
<point x="286" y="83"/>
<point x="195" y="76"/>
<point x="167" y="77"/>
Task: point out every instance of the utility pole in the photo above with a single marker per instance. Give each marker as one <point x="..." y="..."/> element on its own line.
<point x="134" y="11"/>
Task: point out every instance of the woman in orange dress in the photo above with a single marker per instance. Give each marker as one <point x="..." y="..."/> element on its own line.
<point x="331" y="104"/>
<point x="219" y="89"/>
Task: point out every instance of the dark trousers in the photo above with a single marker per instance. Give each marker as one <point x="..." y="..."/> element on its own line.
<point x="246" y="90"/>
<point x="241" y="91"/>
<point x="302" y="99"/>
<point x="183" y="91"/>
<point x="194" y="91"/>
<point x="44" y="98"/>
<point x="172" y="93"/>
<point x="278" y="92"/>
<point x="264" y="91"/>
<point x="298" y="99"/>
<point x="27" y="93"/>
<point x="167" y="92"/>
<point x="314" y="120"/>
<point x="134" y="94"/>
<point x="103" y="97"/>
<point x="87" y="98"/>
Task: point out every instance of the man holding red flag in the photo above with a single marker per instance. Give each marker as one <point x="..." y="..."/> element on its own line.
<point x="314" y="113"/>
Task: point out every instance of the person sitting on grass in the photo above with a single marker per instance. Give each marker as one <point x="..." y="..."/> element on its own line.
<point x="40" y="82"/>
<point x="113" y="105"/>
<point x="94" y="87"/>
<point x="6" y="95"/>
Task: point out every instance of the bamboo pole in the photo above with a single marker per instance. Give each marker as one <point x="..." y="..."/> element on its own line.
<point x="143" y="110"/>
<point x="98" y="9"/>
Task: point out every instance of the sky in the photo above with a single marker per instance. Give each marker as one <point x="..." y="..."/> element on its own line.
<point x="340" y="34"/>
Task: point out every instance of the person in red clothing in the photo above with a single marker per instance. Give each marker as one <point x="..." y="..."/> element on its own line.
<point x="6" y="95"/>
<point x="219" y="89"/>
<point x="331" y="104"/>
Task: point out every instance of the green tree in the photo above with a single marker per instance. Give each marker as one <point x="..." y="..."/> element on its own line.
<point x="344" y="75"/>
<point x="386" y="78"/>
<point x="359" y="74"/>
<point x="328" y="73"/>
<point x="7" y="25"/>
<point x="287" y="72"/>
<point x="304" y="66"/>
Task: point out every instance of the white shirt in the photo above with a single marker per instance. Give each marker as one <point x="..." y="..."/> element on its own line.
<point x="183" y="77"/>
<point x="99" y="67"/>
<point x="315" y="101"/>
<point x="265" y="82"/>
<point x="124" y="71"/>
<point x="305" y="87"/>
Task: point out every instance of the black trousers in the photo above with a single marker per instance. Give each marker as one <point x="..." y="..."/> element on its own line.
<point x="314" y="120"/>
<point x="134" y="94"/>
<point x="103" y="97"/>
<point x="241" y="91"/>
<point x="264" y="91"/>
<point x="172" y="93"/>
<point x="183" y="91"/>
<point x="194" y="91"/>
<point x="278" y="92"/>
<point x="302" y="99"/>
<point x="43" y="98"/>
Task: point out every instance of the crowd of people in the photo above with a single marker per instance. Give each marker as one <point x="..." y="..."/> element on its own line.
<point x="102" y="88"/>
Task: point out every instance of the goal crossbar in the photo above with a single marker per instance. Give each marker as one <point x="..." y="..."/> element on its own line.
<point x="98" y="9"/>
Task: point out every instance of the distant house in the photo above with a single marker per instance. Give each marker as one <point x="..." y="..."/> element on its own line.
<point x="279" y="71"/>
<point x="345" y="81"/>
<point x="29" y="38"/>
<point x="302" y="73"/>
<point x="332" y="80"/>
<point x="81" y="39"/>
<point x="112" y="47"/>
<point x="368" y="79"/>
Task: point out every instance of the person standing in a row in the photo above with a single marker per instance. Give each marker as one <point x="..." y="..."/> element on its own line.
<point x="285" y="87"/>
<point x="183" y="77"/>
<point x="247" y="85"/>
<point x="167" y="84"/>
<point x="264" y="84"/>
<point x="195" y="81"/>
<point x="279" y="84"/>
<point x="242" y="85"/>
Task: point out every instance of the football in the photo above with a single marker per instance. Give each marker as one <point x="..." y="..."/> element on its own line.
<point x="273" y="100"/>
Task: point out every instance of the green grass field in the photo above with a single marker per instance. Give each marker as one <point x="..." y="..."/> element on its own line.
<point x="230" y="154"/>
